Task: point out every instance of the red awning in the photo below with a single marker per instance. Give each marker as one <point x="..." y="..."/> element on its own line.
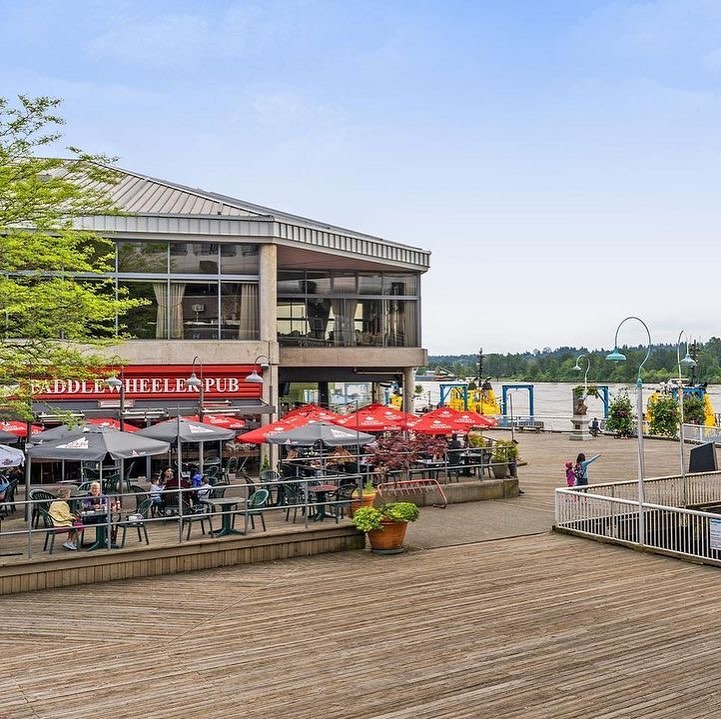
<point x="110" y="422"/>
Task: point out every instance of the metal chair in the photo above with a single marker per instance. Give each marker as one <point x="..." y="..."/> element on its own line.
<point x="143" y="512"/>
<point x="51" y="531"/>
<point x="41" y="502"/>
<point x="255" y="507"/>
<point x="342" y="498"/>
<point x="201" y="513"/>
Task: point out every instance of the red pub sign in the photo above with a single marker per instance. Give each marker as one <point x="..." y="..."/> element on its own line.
<point x="161" y="382"/>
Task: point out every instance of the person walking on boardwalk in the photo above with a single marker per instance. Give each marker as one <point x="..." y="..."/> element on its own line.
<point x="581" y="468"/>
<point x="570" y="475"/>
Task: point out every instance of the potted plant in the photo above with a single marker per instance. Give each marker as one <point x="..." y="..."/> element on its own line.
<point x="386" y="525"/>
<point x="504" y="453"/>
<point x="363" y="498"/>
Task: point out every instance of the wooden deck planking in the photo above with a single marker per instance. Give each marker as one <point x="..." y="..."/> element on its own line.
<point x="545" y="626"/>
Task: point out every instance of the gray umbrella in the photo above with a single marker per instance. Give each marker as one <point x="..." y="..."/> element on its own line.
<point x="8" y="437"/>
<point x="94" y="443"/>
<point x="188" y="431"/>
<point x="314" y="432"/>
<point x="48" y="435"/>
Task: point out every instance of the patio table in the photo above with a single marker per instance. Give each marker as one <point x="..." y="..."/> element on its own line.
<point x="99" y="521"/>
<point x="320" y="491"/>
<point x="226" y="505"/>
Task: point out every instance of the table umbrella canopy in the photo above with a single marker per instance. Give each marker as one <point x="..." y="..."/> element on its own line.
<point x="434" y="425"/>
<point x="314" y="413"/>
<point x="219" y="420"/>
<point x="8" y="437"/>
<point x="110" y="422"/>
<point x="10" y="456"/>
<point x="314" y="432"/>
<point x="19" y="429"/>
<point x="173" y="429"/>
<point x="94" y="443"/>
<point x="460" y="420"/>
<point x="261" y="434"/>
<point x="377" y="418"/>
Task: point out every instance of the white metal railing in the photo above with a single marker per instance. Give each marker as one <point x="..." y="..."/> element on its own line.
<point x="611" y="511"/>
<point x="701" y="433"/>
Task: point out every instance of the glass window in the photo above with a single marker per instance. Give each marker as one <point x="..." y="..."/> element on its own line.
<point x="239" y="311"/>
<point x="194" y="258"/>
<point x="193" y="311"/>
<point x="292" y="324"/>
<point x="148" y="257"/>
<point x="400" y="284"/>
<point x="291" y="283"/>
<point x="317" y="283"/>
<point x="148" y="321"/>
<point x="240" y="259"/>
<point x="370" y="284"/>
<point x="344" y="283"/>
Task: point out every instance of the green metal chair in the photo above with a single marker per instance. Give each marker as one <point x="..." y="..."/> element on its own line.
<point x="138" y="522"/>
<point x="255" y="506"/>
<point x="41" y="502"/>
<point x="51" y="531"/>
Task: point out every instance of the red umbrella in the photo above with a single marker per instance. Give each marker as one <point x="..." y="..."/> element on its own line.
<point x="463" y="419"/>
<point x="377" y="418"/>
<point x="19" y="428"/>
<point x="434" y="425"/>
<point x="110" y="422"/>
<point x="219" y="420"/>
<point x="314" y="413"/>
<point x="258" y="436"/>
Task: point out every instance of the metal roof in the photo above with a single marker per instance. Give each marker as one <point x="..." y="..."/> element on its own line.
<point x="158" y="205"/>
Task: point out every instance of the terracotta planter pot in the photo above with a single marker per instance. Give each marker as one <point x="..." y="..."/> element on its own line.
<point x="365" y="500"/>
<point x="388" y="540"/>
<point x="500" y="470"/>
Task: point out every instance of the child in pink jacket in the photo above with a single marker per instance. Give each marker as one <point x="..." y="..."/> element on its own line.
<point x="570" y="475"/>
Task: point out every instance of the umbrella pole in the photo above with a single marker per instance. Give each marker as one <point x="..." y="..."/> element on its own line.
<point x="28" y="508"/>
<point x="180" y="488"/>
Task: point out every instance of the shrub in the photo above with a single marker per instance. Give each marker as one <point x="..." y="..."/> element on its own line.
<point x="664" y="416"/>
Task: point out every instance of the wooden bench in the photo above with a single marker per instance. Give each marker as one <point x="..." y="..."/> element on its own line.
<point x="535" y="427"/>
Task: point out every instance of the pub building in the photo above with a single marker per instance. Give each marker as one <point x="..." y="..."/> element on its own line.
<point x="236" y="292"/>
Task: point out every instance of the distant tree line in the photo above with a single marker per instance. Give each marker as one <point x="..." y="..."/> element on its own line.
<point x="556" y="365"/>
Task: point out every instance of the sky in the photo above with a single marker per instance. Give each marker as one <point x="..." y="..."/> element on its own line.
<point x="560" y="159"/>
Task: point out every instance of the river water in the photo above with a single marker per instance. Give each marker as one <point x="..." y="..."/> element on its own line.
<point x="553" y="399"/>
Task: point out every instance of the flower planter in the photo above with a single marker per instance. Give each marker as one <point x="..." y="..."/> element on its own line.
<point x="389" y="539"/>
<point x="365" y="500"/>
<point x="500" y="470"/>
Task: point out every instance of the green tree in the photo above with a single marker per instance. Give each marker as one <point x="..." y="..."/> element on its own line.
<point x="50" y="318"/>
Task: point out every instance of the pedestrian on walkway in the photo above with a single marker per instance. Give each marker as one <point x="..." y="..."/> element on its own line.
<point x="570" y="474"/>
<point x="581" y="469"/>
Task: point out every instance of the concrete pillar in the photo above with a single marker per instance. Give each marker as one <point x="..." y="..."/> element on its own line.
<point x="408" y="378"/>
<point x="268" y="298"/>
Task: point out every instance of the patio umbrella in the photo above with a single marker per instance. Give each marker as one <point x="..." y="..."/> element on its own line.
<point x="92" y="444"/>
<point x="110" y="422"/>
<point x="320" y="432"/>
<point x="435" y="425"/>
<point x="377" y="418"/>
<point x="261" y="434"/>
<point x="460" y="419"/>
<point x="19" y="428"/>
<point x="10" y="456"/>
<point x="8" y="437"/>
<point x="314" y="413"/>
<point x="219" y="420"/>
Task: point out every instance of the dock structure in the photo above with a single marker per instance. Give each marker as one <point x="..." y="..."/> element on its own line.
<point x="520" y="627"/>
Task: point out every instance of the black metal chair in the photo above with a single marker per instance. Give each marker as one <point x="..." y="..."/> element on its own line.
<point x="201" y="513"/>
<point x="342" y="498"/>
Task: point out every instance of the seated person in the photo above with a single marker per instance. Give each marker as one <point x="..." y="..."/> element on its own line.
<point x="156" y="495"/>
<point x="290" y="466"/>
<point x="62" y="517"/>
<point x="171" y="489"/>
<point x="94" y="501"/>
<point x="196" y="478"/>
<point x="341" y="458"/>
<point x="204" y="489"/>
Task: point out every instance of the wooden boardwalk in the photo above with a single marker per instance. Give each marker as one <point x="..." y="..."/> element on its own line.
<point x="541" y="627"/>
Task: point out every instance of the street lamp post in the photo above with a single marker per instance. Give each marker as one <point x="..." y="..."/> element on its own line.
<point x="115" y="383"/>
<point x="197" y="383"/>
<point x="617" y="356"/>
<point x="585" y="376"/>
<point x="688" y="361"/>
<point x="262" y="361"/>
